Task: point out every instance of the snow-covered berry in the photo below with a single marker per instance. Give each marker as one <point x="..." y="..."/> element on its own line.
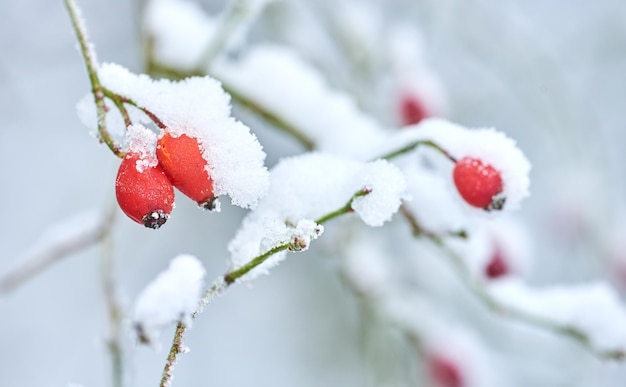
<point x="182" y="160"/>
<point x="143" y="191"/>
<point x="479" y="184"/>
<point x="444" y="372"/>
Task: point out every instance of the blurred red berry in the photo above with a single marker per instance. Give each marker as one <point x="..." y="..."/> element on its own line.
<point x="182" y="161"/>
<point x="143" y="192"/>
<point x="479" y="184"/>
<point x="412" y="110"/>
<point x="497" y="266"/>
<point x="444" y="372"/>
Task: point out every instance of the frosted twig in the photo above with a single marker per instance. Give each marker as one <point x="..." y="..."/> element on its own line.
<point x="496" y="306"/>
<point x="89" y="57"/>
<point x="56" y="249"/>
<point x="223" y="282"/>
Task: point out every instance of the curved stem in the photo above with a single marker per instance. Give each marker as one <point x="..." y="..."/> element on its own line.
<point x="414" y="145"/>
<point x="223" y="282"/>
<point x="271" y="117"/>
<point x="477" y="288"/>
<point x="89" y="57"/>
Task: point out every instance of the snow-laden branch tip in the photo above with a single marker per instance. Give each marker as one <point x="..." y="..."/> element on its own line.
<point x="171" y="297"/>
<point x="59" y="241"/>
<point x="309" y="187"/>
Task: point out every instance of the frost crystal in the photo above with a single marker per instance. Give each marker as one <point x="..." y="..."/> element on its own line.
<point x="199" y="107"/>
<point x="308" y="187"/>
<point x="172" y="296"/>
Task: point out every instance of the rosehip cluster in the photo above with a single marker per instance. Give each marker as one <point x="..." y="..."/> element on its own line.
<point x="145" y="191"/>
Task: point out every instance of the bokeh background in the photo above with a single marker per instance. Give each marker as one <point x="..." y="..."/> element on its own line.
<point x="549" y="74"/>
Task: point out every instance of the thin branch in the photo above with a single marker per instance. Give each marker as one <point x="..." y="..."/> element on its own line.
<point x="89" y="56"/>
<point x="476" y="286"/>
<point x="223" y="282"/>
<point x="55" y="250"/>
<point x="118" y="101"/>
<point x="414" y="145"/>
<point x="271" y="117"/>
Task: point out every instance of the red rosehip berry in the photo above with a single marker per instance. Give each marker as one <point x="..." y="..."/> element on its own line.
<point x="143" y="192"/>
<point x="412" y="110"/>
<point x="444" y="372"/>
<point x="479" y="184"/>
<point x="182" y="161"/>
<point x="497" y="266"/>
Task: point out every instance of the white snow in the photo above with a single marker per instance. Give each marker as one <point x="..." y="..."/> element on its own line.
<point x="308" y="187"/>
<point x="171" y="297"/>
<point x="199" y="107"/>
<point x="278" y="80"/>
<point x="594" y="308"/>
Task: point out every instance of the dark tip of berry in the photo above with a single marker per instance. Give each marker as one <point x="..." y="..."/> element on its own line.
<point x="155" y="219"/>
<point x="497" y="203"/>
<point x="211" y="204"/>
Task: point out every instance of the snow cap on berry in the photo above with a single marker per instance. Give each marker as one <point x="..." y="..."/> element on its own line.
<point x="141" y="141"/>
<point x="199" y="107"/>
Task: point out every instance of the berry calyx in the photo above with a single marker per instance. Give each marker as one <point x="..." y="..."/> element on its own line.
<point x="183" y="163"/>
<point x="412" y="109"/>
<point x="479" y="184"/>
<point x="444" y="372"/>
<point x="143" y="191"/>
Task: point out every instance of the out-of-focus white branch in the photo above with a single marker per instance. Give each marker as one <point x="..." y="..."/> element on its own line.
<point x="59" y="241"/>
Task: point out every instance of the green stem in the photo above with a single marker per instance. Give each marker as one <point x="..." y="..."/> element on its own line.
<point x="223" y="282"/>
<point x="120" y="100"/>
<point x="414" y="145"/>
<point x="345" y="209"/>
<point x="271" y="117"/>
<point x="96" y="87"/>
